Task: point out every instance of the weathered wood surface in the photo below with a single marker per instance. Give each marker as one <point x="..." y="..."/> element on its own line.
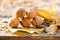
<point x="28" y="38"/>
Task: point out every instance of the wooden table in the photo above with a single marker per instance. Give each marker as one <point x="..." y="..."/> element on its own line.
<point x="29" y="38"/>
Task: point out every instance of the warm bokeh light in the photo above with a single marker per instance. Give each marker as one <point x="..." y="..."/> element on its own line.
<point x="52" y="9"/>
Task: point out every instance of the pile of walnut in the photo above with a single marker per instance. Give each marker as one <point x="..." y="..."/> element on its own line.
<point x="34" y="19"/>
<point x="26" y="19"/>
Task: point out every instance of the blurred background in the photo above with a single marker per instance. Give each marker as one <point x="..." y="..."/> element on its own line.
<point x="8" y="7"/>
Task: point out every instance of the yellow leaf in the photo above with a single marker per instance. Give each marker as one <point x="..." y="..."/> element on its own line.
<point x="44" y="14"/>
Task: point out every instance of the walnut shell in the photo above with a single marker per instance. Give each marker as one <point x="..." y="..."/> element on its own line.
<point x="37" y="21"/>
<point x="14" y="23"/>
<point x="21" y="13"/>
<point x="26" y="22"/>
<point x="32" y="14"/>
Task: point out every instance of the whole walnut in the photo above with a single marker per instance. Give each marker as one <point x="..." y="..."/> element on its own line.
<point x="21" y="13"/>
<point x="32" y="14"/>
<point x="37" y="21"/>
<point x="26" y="22"/>
<point x="14" y="23"/>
